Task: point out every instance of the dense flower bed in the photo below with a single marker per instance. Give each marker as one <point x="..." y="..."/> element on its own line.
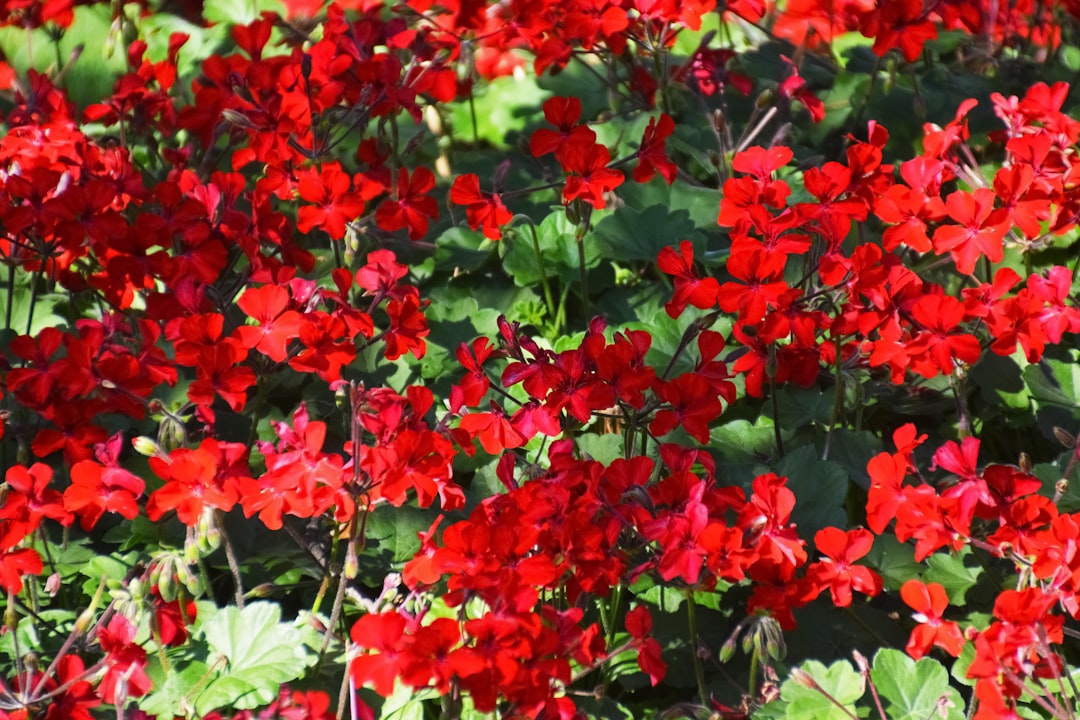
<point x="592" y="358"/>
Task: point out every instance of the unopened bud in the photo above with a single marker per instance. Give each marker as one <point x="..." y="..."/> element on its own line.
<point x="748" y="643"/>
<point x="727" y="650"/>
<point x="765" y="99"/>
<point x="146" y="446"/>
<point x="1061" y="487"/>
<point x="352" y="564"/>
<point x="573" y="212"/>
<point x="238" y="119"/>
<point x="11" y="619"/>
<point x="260" y="591"/>
<point x="1026" y="465"/>
<point x="191" y="549"/>
<point x="52" y="585"/>
<point x="772" y="364"/>
<point x="803" y="678"/>
<point x="84" y="621"/>
<point x="1066" y="438"/>
<point x="171" y="433"/>
<point x="208" y="533"/>
<point x="775" y="647"/>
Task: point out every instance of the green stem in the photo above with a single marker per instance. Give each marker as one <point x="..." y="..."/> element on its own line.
<point x="699" y="668"/>
<point x="230" y="557"/>
<point x="755" y="663"/>
<point x="580" y="238"/>
<point x="33" y="301"/>
<point x="838" y="401"/>
<point x="777" y="430"/>
<point x="548" y="297"/>
<point x="10" y="295"/>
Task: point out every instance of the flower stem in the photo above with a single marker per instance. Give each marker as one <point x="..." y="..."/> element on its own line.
<point x="699" y="668"/>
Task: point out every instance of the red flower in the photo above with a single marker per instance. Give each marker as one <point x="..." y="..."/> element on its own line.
<point x="125" y="674"/>
<point x="197" y="478"/>
<point x="276" y="327"/>
<point x="929" y="602"/>
<point x="484" y="211"/>
<point x="652" y="155"/>
<point x="411" y="207"/>
<point x="16" y="563"/>
<point x="689" y="288"/>
<point x="590" y="176"/>
<point x="102" y="485"/>
<point x="563" y="113"/>
<point x="334" y="204"/>
<point x="980" y="229"/>
<point x="837" y="571"/>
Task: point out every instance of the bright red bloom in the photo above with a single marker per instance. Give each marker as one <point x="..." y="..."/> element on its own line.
<point x="979" y="231"/>
<point x="275" y="326"/>
<point x="410" y="207"/>
<point x="125" y="674"/>
<point x="334" y="205"/>
<point x="103" y="485"/>
<point x="483" y="211"/>
<point x="563" y="113"/>
<point x="837" y="571"/>
<point x="590" y="176"/>
<point x="929" y="602"/>
<point x="197" y="478"/>
<point x="652" y="155"/>
<point x="14" y="564"/>
<point x="689" y="288"/>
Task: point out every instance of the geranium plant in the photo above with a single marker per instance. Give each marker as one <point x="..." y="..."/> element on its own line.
<point x="545" y="360"/>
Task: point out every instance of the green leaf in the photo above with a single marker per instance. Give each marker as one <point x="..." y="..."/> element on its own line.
<point x="839" y="680"/>
<point x="238" y="12"/>
<point x="911" y="690"/>
<point x="951" y="573"/>
<point x="702" y="204"/>
<point x="405" y="703"/>
<point x="172" y="688"/>
<point x="743" y="440"/>
<point x="395" y="530"/>
<point x="1053" y="382"/>
<point x="259" y="653"/>
<point x="556" y="236"/>
<point x="504" y="105"/>
<point x="629" y="234"/>
<point x="853" y="450"/>
<point x="820" y="487"/>
<point x="91" y="39"/>
<point x="462" y="250"/>
<point x="894" y="561"/>
<point x="602" y="448"/>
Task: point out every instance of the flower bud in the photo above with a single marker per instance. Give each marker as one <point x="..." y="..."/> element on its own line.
<point x="727" y="650"/>
<point x="1066" y="438"/>
<point x="146" y="446"/>
<point x="260" y="591"/>
<point x="191" y="548"/>
<point x="171" y="433"/>
<point x="775" y="647"/>
<point x="803" y="678"/>
<point x="573" y="212"/>
<point x="207" y="532"/>
<point x="352" y="564"/>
